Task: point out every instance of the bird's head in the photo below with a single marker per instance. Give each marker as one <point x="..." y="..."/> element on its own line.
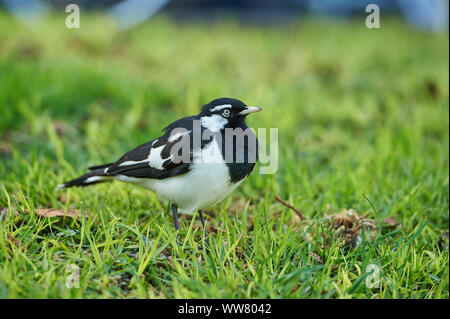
<point x="227" y="110"/>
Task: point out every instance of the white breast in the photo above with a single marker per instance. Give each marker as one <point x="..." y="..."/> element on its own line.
<point x="206" y="184"/>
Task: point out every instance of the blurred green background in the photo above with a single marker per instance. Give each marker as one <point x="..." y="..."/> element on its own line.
<point x="359" y="112"/>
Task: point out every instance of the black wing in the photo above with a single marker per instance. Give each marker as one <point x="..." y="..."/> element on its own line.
<point x="153" y="159"/>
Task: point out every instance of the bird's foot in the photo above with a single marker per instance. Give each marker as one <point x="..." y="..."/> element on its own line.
<point x="179" y="241"/>
<point x="180" y="244"/>
<point x="205" y="245"/>
<point x="145" y="239"/>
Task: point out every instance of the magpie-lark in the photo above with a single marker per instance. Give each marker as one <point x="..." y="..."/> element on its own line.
<point x="194" y="165"/>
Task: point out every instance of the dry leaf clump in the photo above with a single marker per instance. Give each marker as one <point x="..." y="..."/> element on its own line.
<point x="347" y="225"/>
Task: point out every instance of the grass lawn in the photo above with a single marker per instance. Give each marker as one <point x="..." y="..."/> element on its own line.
<point x="362" y="118"/>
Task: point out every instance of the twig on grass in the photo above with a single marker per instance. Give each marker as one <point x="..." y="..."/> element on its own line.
<point x="299" y="214"/>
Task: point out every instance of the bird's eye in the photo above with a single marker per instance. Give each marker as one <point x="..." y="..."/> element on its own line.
<point x="226" y="113"/>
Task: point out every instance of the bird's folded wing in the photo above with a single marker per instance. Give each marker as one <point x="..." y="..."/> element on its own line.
<point x="143" y="170"/>
<point x="155" y="159"/>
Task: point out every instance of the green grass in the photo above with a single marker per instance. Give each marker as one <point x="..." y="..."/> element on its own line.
<point x="360" y="113"/>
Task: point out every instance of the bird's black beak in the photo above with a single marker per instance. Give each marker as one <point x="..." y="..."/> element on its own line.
<point x="250" y="109"/>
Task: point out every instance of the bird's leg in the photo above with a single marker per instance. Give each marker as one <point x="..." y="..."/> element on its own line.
<point x="175" y="220"/>
<point x="205" y="233"/>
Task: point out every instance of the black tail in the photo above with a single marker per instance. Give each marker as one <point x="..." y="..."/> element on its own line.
<point x="97" y="175"/>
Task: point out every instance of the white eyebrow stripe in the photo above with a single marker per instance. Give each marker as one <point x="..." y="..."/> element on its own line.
<point x="220" y="107"/>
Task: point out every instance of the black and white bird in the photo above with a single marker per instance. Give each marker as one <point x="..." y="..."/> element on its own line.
<point x="209" y="172"/>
